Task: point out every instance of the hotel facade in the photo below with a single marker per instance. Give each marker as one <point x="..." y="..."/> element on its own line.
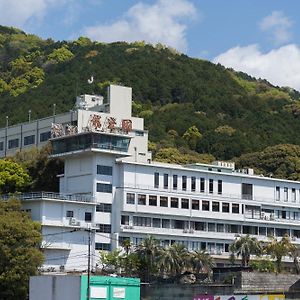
<point x="112" y="190"/>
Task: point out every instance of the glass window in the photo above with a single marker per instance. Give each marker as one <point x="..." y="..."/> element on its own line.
<point x="142" y="221"/>
<point x="277" y="196"/>
<point x="156" y="180"/>
<point x="1" y="146"/>
<point x="152" y="200"/>
<point x="211" y="186"/>
<point x="104" y="170"/>
<point x="102" y="246"/>
<point x="225" y="207"/>
<point x="141" y="199"/>
<point x="175" y="182"/>
<point x="45" y="136"/>
<point x="156" y="222"/>
<point x="29" y="140"/>
<point x="293" y="195"/>
<point x="185" y="203"/>
<point x="205" y="205"/>
<point x="130" y="198"/>
<point x="235" y="208"/>
<point x="88" y="216"/>
<point x="164" y="201"/>
<point x="124" y="220"/>
<point x="166" y="181"/>
<point x="286" y="195"/>
<point x="215" y="206"/>
<point x="70" y="214"/>
<point x="105" y="228"/>
<point x="220" y="187"/>
<point x="200" y="226"/>
<point x="247" y="191"/>
<point x="103" y="207"/>
<point x="13" y="143"/>
<point x="104" y="188"/>
<point x="220" y="227"/>
<point x="174" y="202"/>
<point x="184" y="183"/>
<point x="195" y="204"/>
<point x="193" y="184"/>
<point x="211" y="227"/>
<point x="165" y="223"/>
<point x="202" y="185"/>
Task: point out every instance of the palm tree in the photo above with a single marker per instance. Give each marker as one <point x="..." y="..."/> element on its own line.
<point x="201" y="261"/>
<point x="245" y="246"/>
<point x="279" y="248"/>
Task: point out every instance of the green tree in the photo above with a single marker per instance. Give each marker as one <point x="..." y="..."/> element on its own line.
<point x="12" y="177"/>
<point x="61" y="54"/>
<point x="245" y="246"/>
<point x="20" y="256"/>
<point x="201" y="261"/>
<point x="192" y="136"/>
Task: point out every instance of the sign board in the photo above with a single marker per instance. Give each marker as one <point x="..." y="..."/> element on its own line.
<point x="119" y="293"/>
<point x="239" y="297"/>
<point x="98" y="292"/>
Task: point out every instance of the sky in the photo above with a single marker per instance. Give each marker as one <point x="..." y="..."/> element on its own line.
<point x="259" y="37"/>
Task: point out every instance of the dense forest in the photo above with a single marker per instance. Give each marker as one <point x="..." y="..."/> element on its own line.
<point x="194" y="110"/>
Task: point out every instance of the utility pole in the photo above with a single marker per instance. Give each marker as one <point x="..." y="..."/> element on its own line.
<point x="89" y="264"/>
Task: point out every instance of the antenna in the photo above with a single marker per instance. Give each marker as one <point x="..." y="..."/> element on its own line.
<point x="91" y="80"/>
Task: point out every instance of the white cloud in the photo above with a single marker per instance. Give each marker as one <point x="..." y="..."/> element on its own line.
<point x="279" y="66"/>
<point x="278" y="25"/>
<point x="164" y="22"/>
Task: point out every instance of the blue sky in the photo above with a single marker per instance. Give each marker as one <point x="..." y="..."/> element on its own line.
<point x="260" y="37"/>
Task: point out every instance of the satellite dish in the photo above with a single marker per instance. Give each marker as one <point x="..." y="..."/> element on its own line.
<point x="91" y="80"/>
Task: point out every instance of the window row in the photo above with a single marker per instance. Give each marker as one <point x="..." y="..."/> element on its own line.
<point x="103" y="207"/>
<point x="87" y="215"/>
<point x="105" y="228"/>
<point x="195" y="184"/>
<point x="104" y="187"/>
<point x="104" y="170"/>
<point x="103" y="246"/>
<point x="183" y="203"/>
<point x="286" y="194"/>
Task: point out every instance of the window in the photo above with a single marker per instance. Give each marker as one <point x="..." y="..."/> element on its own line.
<point x="103" y="207"/>
<point x="175" y="182"/>
<point x="247" y="191"/>
<point x="205" y="205"/>
<point x="105" y="228"/>
<point x="166" y="181"/>
<point x="156" y="180"/>
<point x="165" y="223"/>
<point x="220" y="227"/>
<point x="70" y="214"/>
<point x="152" y="200"/>
<point x="124" y="220"/>
<point x="211" y="186"/>
<point x="286" y="195"/>
<point x="235" y="208"/>
<point x="193" y="184"/>
<point x="225" y="207"/>
<point x="29" y="140"/>
<point x="200" y="226"/>
<point x="202" y="185"/>
<point x="164" y="201"/>
<point x="104" y="188"/>
<point x="141" y="199"/>
<point x="130" y="198"/>
<point x="185" y="203"/>
<point x="45" y="136"/>
<point x="1" y="146"/>
<point x="184" y="183"/>
<point x="178" y="224"/>
<point x="277" y="195"/>
<point x="293" y="195"/>
<point x="156" y="223"/>
<point x="88" y="216"/>
<point x="104" y="170"/>
<point x="142" y="221"/>
<point x="195" y="204"/>
<point x="13" y="143"/>
<point x="102" y="246"/>
<point x="220" y="187"/>
<point x="174" y="202"/>
<point x="215" y="206"/>
<point x="211" y="227"/>
<point x="139" y="133"/>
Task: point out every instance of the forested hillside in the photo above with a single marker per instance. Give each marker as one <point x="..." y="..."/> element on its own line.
<point x="190" y="104"/>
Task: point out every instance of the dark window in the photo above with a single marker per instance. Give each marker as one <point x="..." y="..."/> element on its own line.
<point x="156" y="180"/>
<point x="142" y="221"/>
<point x="102" y="246"/>
<point x="178" y="224"/>
<point x="174" y="202"/>
<point x="104" y="170"/>
<point x="29" y="140"/>
<point x="13" y="143"/>
<point x="200" y="226"/>
<point x="124" y="220"/>
<point x="277" y="196"/>
<point x="293" y="194"/>
<point x="205" y="205"/>
<point x="202" y="185"/>
<point x="164" y="201"/>
<point x="185" y="203"/>
<point x="139" y="133"/>
<point x="286" y="193"/>
<point x="235" y="208"/>
<point x="45" y="136"/>
<point x="225" y="207"/>
<point x="104" y="188"/>
<point x="153" y="200"/>
<point x="70" y="214"/>
<point x="130" y="198"/>
<point x="215" y="206"/>
<point x="184" y="183"/>
<point x="141" y="199"/>
<point x="211" y="186"/>
<point x="166" y="181"/>
<point x="156" y="222"/>
<point x="193" y="184"/>
<point x="88" y="216"/>
<point x="247" y="191"/>
<point x="1" y="146"/>
<point x="103" y="207"/>
<point x="105" y="228"/>
<point x="165" y="223"/>
<point x="220" y="187"/>
<point x="195" y="204"/>
<point x="175" y="182"/>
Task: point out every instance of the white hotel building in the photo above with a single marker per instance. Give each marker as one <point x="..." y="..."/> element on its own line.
<point x="111" y="185"/>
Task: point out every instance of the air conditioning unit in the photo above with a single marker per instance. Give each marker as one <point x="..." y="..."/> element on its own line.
<point x="62" y="268"/>
<point x="72" y="221"/>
